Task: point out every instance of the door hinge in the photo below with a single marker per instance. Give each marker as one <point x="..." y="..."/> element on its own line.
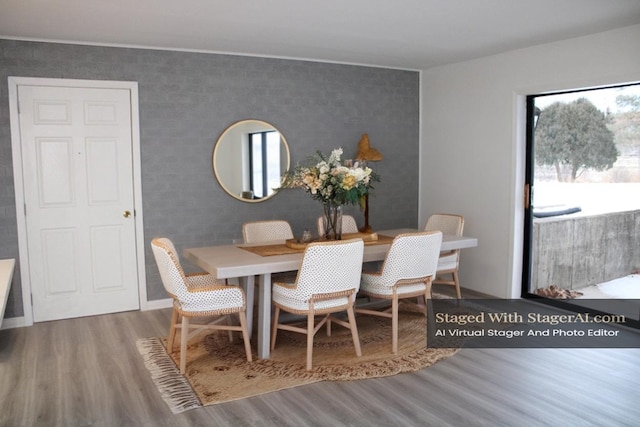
<point x="527" y="189"/>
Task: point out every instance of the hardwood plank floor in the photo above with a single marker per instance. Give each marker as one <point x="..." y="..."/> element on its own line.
<point x="87" y="371"/>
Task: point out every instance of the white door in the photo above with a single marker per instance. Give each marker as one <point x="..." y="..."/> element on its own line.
<point x="79" y="204"/>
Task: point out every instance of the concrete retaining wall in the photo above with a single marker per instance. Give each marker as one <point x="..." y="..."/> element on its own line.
<point x="575" y="251"/>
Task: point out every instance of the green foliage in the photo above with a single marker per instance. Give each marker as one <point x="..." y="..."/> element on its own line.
<point x="626" y="122"/>
<point x="574" y="136"/>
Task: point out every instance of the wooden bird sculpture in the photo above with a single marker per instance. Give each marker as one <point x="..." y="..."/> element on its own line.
<point x="366" y="152"/>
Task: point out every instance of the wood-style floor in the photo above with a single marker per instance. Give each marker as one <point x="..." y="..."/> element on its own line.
<point x="88" y="372"/>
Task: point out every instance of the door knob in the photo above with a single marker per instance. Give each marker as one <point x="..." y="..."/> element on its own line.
<point x="126" y="214"/>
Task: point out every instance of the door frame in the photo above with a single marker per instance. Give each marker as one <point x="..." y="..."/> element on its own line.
<point x="23" y="249"/>
<point x="528" y="160"/>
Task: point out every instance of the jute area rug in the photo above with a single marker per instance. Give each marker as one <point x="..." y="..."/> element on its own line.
<point x="217" y="370"/>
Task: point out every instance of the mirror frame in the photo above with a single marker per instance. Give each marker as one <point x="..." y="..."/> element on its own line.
<point x="216" y="154"/>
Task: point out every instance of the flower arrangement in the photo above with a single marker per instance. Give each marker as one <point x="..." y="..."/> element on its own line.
<point x="331" y="181"/>
<point x="334" y="183"/>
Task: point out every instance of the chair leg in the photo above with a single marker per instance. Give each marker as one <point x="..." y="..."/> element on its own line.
<point x="427" y="297"/>
<point x="172" y="329"/>
<point x="230" y="323"/>
<point x="457" y="283"/>
<point x="245" y="335"/>
<point x="310" y="327"/>
<point x="184" y="337"/>
<point x="354" y="331"/>
<point x="394" y="324"/>
<point x="274" y="328"/>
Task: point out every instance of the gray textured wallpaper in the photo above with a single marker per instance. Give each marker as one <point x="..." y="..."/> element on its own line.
<point x="186" y="102"/>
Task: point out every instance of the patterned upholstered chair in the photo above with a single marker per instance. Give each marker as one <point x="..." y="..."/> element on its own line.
<point x="349" y="225"/>
<point x="407" y="272"/>
<point x="266" y="231"/>
<point x="197" y="295"/>
<point x="449" y="260"/>
<point x="269" y="231"/>
<point x="327" y="282"/>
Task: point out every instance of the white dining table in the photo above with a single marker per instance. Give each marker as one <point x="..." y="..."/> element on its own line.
<point x="232" y="261"/>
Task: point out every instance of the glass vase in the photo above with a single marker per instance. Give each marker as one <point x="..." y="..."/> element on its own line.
<point x="332" y="221"/>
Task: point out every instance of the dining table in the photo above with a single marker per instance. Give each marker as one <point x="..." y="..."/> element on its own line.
<point x="245" y="262"/>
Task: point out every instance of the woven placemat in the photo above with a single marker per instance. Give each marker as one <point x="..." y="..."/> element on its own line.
<point x="283" y="249"/>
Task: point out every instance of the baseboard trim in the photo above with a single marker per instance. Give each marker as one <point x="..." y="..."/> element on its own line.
<point x="14" y="322"/>
<point x="21" y="322"/>
<point x="158" y="304"/>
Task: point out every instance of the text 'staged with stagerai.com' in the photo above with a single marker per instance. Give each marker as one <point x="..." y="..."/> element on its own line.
<point x="492" y="323"/>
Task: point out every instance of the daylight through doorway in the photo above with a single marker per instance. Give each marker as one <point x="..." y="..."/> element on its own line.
<point x="582" y="233"/>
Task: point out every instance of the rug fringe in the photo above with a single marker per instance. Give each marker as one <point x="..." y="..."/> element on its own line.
<point x="173" y="386"/>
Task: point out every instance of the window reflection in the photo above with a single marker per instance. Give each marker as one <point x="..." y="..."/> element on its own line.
<point x="264" y="162"/>
<point x="249" y="159"/>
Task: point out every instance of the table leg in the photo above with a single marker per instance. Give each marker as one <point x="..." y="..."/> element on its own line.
<point x="264" y="316"/>
<point x="248" y="284"/>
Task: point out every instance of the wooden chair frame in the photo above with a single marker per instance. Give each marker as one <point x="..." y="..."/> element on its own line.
<point x="392" y="312"/>
<point x="459" y="228"/>
<point x="312" y="328"/>
<point x="187" y="287"/>
<point x="315" y="275"/>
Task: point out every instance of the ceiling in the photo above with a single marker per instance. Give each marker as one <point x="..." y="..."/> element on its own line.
<point x="409" y="34"/>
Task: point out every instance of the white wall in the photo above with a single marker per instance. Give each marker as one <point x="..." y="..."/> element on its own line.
<point x="472" y="140"/>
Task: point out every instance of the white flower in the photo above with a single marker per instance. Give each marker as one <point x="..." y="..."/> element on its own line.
<point x="341" y="170"/>
<point x="323" y="167"/>
<point x="335" y="156"/>
<point x="361" y="174"/>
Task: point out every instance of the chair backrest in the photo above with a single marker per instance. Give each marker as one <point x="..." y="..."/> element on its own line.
<point x="447" y="223"/>
<point x="412" y="256"/>
<point x="349" y="225"/>
<point x="329" y="267"/>
<point x="171" y="272"/>
<point x="266" y="231"/>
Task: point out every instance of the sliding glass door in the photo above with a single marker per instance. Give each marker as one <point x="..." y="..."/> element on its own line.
<point x="582" y="233"/>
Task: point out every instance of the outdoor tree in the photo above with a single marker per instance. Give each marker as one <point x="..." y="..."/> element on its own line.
<point x="626" y="124"/>
<point x="573" y="137"/>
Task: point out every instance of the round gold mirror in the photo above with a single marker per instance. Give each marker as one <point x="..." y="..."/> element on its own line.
<point x="249" y="160"/>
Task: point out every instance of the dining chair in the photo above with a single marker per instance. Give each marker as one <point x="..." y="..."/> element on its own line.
<point x="266" y="231"/>
<point x="327" y="283"/>
<point x="197" y="295"/>
<point x="349" y="225"/>
<point x="449" y="260"/>
<point x="269" y="231"/>
<point x="407" y="271"/>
